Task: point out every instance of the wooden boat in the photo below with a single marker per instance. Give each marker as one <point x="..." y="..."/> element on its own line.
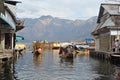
<point x="66" y="52"/>
<point x="19" y="46"/>
<point x="38" y="51"/>
<point x="67" y="55"/>
<point x="37" y="48"/>
<point x="68" y="60"/>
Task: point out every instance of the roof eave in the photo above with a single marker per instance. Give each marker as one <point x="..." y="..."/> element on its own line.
<point x="12" y="2"/>
<point x="100" y="13"/>
<point x="11" y="13"/>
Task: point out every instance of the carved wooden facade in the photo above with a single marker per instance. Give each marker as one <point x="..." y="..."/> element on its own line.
<point x="8" y="24"/>
<point x="108" y="26"/>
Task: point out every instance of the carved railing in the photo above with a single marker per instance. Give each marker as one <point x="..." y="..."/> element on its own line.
<point x="20" y="25"/>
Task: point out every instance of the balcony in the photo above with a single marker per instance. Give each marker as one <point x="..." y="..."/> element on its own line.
<point x="20" y="25"/>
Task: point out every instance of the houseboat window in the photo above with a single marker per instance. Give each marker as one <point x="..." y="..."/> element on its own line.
<point x="8" y="41"/>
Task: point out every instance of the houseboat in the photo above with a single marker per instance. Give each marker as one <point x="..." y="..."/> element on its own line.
<point x="9" y="25"/>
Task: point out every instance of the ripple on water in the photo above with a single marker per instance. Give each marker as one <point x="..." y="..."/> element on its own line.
<point x="52" y="68"/>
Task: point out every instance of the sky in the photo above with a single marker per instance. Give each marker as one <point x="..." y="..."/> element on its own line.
<point x="66" y="9"/>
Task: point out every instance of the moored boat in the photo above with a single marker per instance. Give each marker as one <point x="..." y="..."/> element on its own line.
<point x="19" y="46"/>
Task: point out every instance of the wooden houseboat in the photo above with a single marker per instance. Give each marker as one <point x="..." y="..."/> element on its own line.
<point x="9" y="25"/>
<point x="107" y="30"/>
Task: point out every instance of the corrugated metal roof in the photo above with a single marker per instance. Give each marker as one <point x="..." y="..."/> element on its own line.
<point x="12" y="2"/>
<point x="112" y="9"/>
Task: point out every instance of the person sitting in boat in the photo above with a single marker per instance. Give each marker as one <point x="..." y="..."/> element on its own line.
<point x="38" y="50"/>
<point x="61" y="50"/>
<point x="69" y="49"/>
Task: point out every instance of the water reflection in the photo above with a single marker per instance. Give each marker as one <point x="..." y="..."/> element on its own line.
<point x="117" y="73"/>
<point x="104" y="70"/>
<point x="49" y="66"/>
<point x="62" y="60"/>
<point x="65" y="60"/>
<point x="37" y="59"/>
<point x="6" y="71"/>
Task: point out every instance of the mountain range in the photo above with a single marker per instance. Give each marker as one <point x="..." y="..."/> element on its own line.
<point x="57" y="29"/>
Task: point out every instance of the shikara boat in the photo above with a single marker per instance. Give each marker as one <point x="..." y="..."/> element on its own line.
<point x="37" y="48"/>
<point x="66" y="52"/>
<point x="38" y="51"/>
<point x="67" y="55"/>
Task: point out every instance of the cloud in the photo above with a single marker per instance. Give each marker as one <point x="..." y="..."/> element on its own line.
<point x="69" y="9"/>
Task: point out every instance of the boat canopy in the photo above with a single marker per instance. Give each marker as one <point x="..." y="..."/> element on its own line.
<point x="19" y="38"/>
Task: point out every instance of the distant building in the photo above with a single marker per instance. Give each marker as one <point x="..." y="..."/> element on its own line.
<point x="9" y="25"/>
<point x="108" y="28"/>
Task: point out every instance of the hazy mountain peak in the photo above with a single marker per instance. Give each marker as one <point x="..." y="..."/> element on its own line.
<point x="78" y="21"/>
<point x="46" y="17"/>
<point x="56" y="29"/>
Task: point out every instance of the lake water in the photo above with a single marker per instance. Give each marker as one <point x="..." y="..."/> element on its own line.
<point x="49" y="66"/>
